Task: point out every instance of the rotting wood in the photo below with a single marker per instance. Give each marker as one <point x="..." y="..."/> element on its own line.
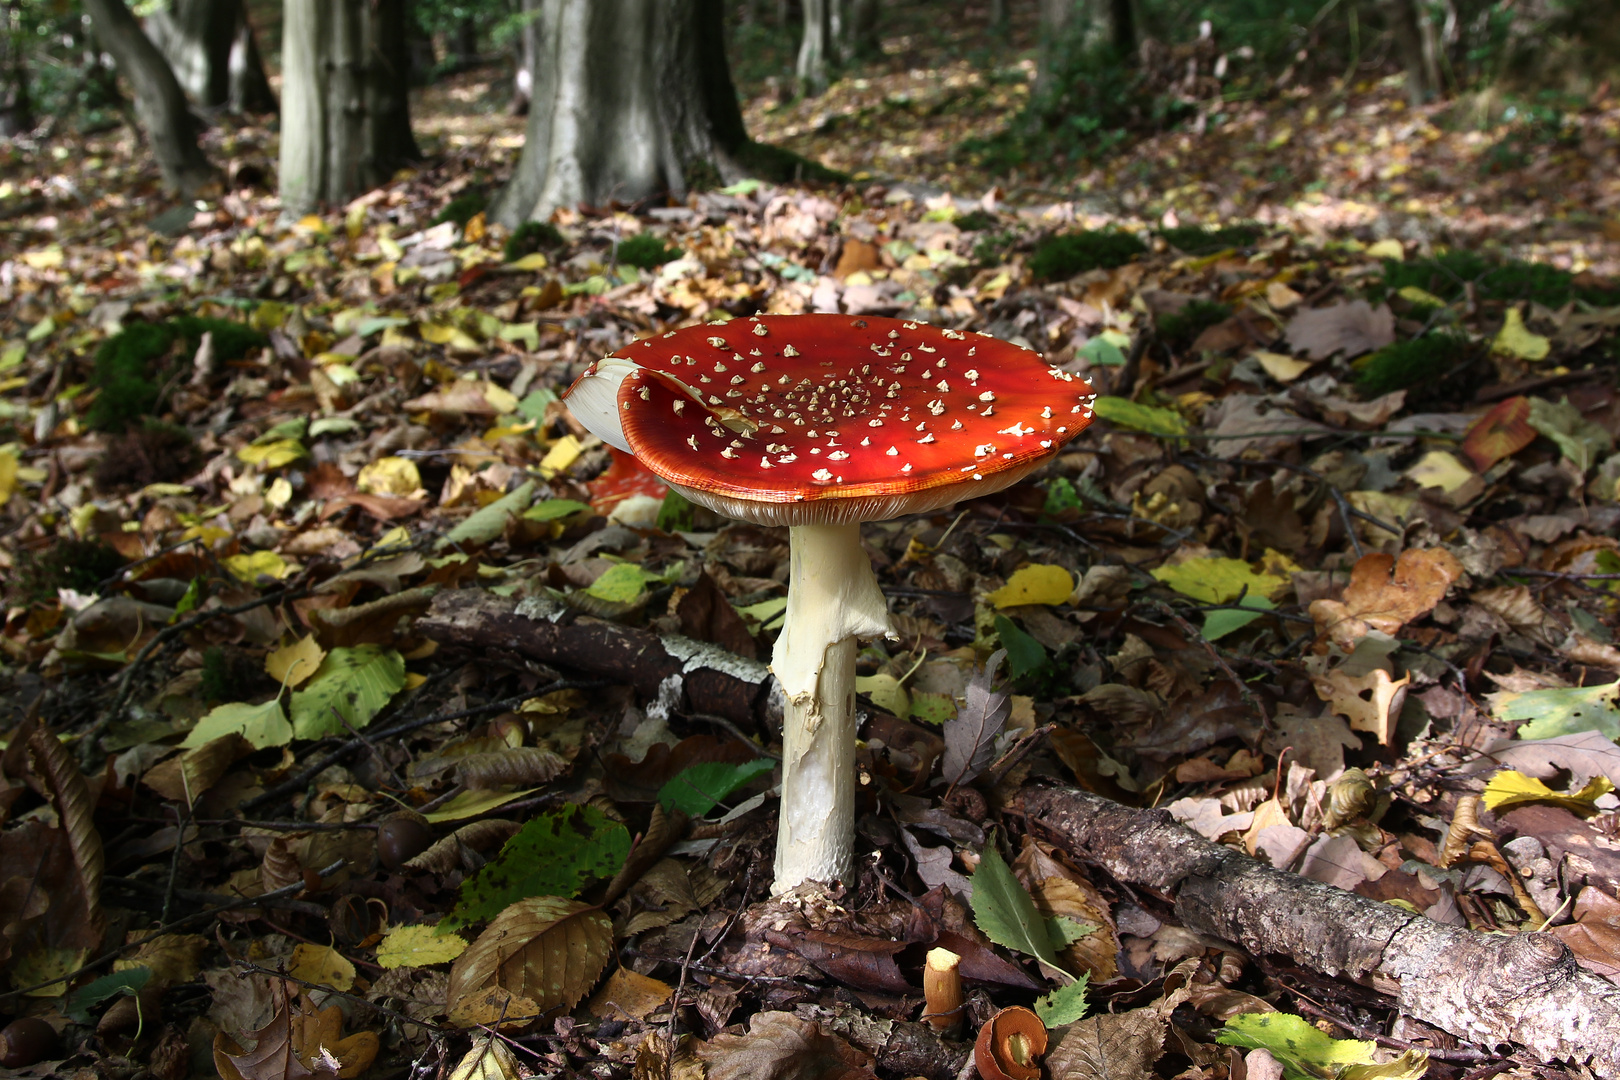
<point x="671" y="671"/>
<point x="1524" y="990"/>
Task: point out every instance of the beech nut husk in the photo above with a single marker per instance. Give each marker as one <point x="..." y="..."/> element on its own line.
<point x="1010" y="1046"/>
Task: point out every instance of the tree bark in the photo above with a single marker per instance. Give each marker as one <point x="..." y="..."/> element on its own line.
<point x="528" y="58"/>
<point x="160" y="103"/>
<point x="1488" y="989"/>
<point x="811" y="68"/>
<point x="249" y="86"/>
<point x="631" y="98"/>
<point x="345" y="120"/>
<point x="195" y="37"/>
<point x="1072" y="27"/>
<point x="858" y="30"/>
<point x="1416" y="46"/>
<point x="16" y="106"/>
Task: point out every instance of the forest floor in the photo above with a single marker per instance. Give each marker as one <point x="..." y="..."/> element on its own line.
<point x="1331" y="579"/>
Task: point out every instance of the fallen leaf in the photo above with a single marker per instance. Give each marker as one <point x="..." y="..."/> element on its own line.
<point x="1500" y="433"/>
<point x="1034" y="584"/>
<point x="1516" y="340"/>
<point x="1371" y="702"/>
<point x="546" y="949"/>
<point x="1349" y="329"/>
<point x="418" y="946"/>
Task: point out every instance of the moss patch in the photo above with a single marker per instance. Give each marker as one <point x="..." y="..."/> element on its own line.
<point x="1180" y="329"/>
<point x="80" y="565"/>
<point x="1197" y="240"/>
<point x="132" y="366"/>
<point x="645" y="251"/>
<point x="463" y="208"/>
<point x="530" y="237"/>
<point x="1410" y="363"/>
<point x="1449" y="274"/>
<point x="1068" y="254"/>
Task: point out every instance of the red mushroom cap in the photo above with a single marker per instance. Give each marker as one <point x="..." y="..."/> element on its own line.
<point x="821" y="419"/>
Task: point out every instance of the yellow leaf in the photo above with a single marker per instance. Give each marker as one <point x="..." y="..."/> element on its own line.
<point x="311" y="223"/>
<point x="1387" y="249"/>
<point x="475" y="229"/>
<point x="1283" y="368"/>
<point x="273" y="454"/>
<point x="48" y="259"/>
<point x="473" y="802"/>
<point x="1510" y="788"/>
<point x="8" y="475"/>
<point x="886" y="693"/>
<point x="248" y="567"/>
<point x="503" y="400"/>
<point x="418" y="946"/>
<point x="390" y="476"/>
<point x="1421" y="296"/>
<point x="322" y="965"/>
<point x="1518" y="341"/>
<point x="535" y="261"/>
<point x="1218" y="581"/>
<point x="292" y="665"/>
<point x="1038" y="583"/>
<point x="629" y="995"/>
<point x="1439" y="469"/>
<point x="993" y="289"/>
<point x="562" y="454"/>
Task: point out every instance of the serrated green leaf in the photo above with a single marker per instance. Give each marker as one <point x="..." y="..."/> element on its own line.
<point x="1306" y="1053"/>
<point x="1025" y="655"/>
<point x="620" y="584"/>
<point x="1065" y="931"/>
<point x="1005" y="912"/>
<point x="261" y="725"/>
<point x="1561" y="711"/>
<point x="699" y="788"/>
<point x="1065" y="1005"/>
<point x="1217" y="624"/>
<point x="351" y="686"/>
<point x="556" y="854"/>
<point x="1145" y="418"/>
<point x="487" y="524"/>
<point x="81" y="1001"/>
<point x="554" y="509"/>
<point x="675" y="515"/>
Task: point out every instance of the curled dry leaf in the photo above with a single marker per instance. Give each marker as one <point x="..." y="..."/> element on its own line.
<point x="780" y="1046"/>
<point x="451" y="852"/>
<point x="518" y="765"/>
<point x="1010" y="1046"/>
<point x="1371" y="702"/>
<point x="545" y="948"/>
<point x="1378" y="599"/>
<point x="298" y="1043"/>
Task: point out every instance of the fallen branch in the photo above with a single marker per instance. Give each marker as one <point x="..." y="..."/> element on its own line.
<point x="1523" y="989"/>
<point x="673" y="671"/>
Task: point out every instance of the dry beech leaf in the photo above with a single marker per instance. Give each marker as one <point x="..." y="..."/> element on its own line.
<point x="298" y="1043"/>
<point x="1372" y="702"/>
<point x="1385" y="593"/>
<point x="494" y="1007"/>
<point x="629" y="995"/>
<point x="451" y="852"/>
<point x="185" y="777"/>
<point x="518" y="765"/>
<point x="780" y="1046"/>
<point x="1350" y="328"/>
<point x="547" y="949"/>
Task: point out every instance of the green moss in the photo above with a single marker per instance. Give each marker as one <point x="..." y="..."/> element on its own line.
<point x="992" y="247"/>
<point x="1180" y="329"/>
<point x="530" y="237"/>
<point x="1410" y="363"/>
<point x="645" y="251"/>
<point x="782" y="166"/>
<point x="80" y="565"/>
<point x="127" y="377"/>
<point x="1067" y="254"/>
<point x="463" y="208"/>
<point x="1449" y="274"/>
<point x="975" y="221"/>
<point x="1197" y="240"/>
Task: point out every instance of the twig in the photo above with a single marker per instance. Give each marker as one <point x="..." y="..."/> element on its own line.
<point x="1461" y="1056"/>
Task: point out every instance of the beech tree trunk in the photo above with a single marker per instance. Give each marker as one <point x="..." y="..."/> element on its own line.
<point x="160" y="103"/>
<point x="811" y="69"/>
<point x="1071" y="27"/>
<point x="631" y="98"/>
<point x="195" y="37"/>
<point x="528" y="58"/>
<point x="345" y="113"/>
<point x="1489" y="989"/>
<point x="16" y="107"/>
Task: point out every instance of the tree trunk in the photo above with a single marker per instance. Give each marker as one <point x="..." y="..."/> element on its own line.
<point x="631" y="98"/>
<point x="857" y="29"/>
<point x="528" y="57"/>
<point x="998" y="16"/>
<point x="811" y="69"/>
<point x="1072" y="27"/>
<point x="249" y="86"/>
<point x="345" y="120"/>
<point x="1416" y="46"/>
<point x="195" y="37"/>
<point x="160" y="103"/>
<point x="16" y="107"/>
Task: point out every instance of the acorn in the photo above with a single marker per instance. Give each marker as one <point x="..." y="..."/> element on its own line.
<point x="26" y="1041"/>
<point x="401" y="839"/>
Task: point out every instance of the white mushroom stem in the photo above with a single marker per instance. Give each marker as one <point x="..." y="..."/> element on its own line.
<point x="833" y="599"/>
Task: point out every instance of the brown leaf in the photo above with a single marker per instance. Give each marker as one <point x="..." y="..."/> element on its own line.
<point x="469" y="840"/>
<point x="1594" y="936"/>
<point x="970" y="735"/>
<point x="1387" y="601"/>
<point x="1501" y="432"/>
<point x="545" y="948"/>
<point x="185" y="777"/>
<point x="854" y="960"/>
<point x="639" y="781"/>
<point x="298" y="1043"/>
<point x="1350" y="328"/>
<point x="707" y="615"/>
<point x="519" y="765"/>
<point x="1371" y="702"/>
<point x="780" y="1046"/>
<point x="1109" y="1045"/>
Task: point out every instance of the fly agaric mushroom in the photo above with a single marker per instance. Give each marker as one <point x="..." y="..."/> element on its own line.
<point x="818" y="423"/>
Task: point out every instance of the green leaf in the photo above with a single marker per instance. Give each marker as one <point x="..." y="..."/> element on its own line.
<point x="1305" y="1053"/>
<point x="554" y="510"/>
<point x="620" y="584"/>
<point x="1216" y="580"/>
<point x="81" y="1001"/>
<point x="261" y="725"/>
<point x="1562" y="711"/>
<point x="1581" y="440"/>
<point x="351" y="686"/>
<point x="556" y="854"/>
<point x="699" y="788"/>
<point x="1065" y="931"/>
<point x="1101" y="352"/>
<point x="533" y="405"/>
<point x="676" y="513"/>
<point x="1145" y="418"/>
<point x="1065" y="1005"/>
<point x="1025" y="655"/>
<point x="487" y="524"/>
<point x="746" y="186"/>
<point x="1217" y="624"/>
<point x="1061" y="496"/>
<point x="1003" y="909"/>
<point x="930" y="708"/>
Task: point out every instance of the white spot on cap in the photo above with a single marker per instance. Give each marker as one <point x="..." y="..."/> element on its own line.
<point x="928" y="438"/>
<point x="983" y="449"/>
<point x="757" y="368"/>
<point x="943" y="387"/>
<point x="936" y="406"/>
<point x="1046" y="444"/>
<point x="906" y="467"/>
<point x="987" y="396"/>
<point x="892" y="452"/>
<point x="787" y="459"/>
<point x="874" y="423"/>
<point x="788" y="350"/>
<point x="765" y="463"/>
<point x="719" y="368"/>
<point x="728" y="452"/>
<point x="1046" y="413"/>
<point x="678" y="406"/>
<point x="821" y="474"/>
<point x="971" y="374"/>
<point x="956" y="425"/>
<point x="691" y="440"/>
<point x="1017" y="429"/>
<point x="838" y="455"/>
<point x="759" y="329"/>
<point x="718" y="342"/>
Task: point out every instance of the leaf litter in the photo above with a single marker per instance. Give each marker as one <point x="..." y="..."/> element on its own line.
<point x="1332" y="579"/>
